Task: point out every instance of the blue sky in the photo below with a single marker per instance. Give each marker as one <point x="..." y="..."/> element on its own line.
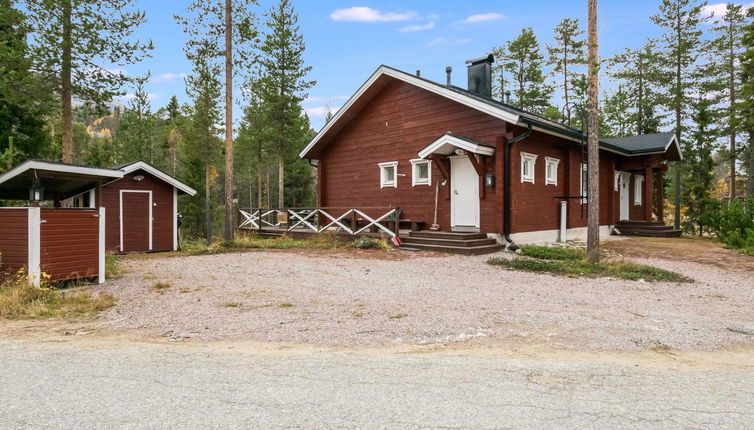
<point x="347" y="40"/>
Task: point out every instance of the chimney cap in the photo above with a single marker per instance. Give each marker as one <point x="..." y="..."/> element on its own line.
<point x="486" y="59"/>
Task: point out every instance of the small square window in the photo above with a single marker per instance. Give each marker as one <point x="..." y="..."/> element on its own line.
<point x="421" y="172"/>
<point x="388" y="174"/>
<point x="551" y="171"/>
<point x="528" y="162"/>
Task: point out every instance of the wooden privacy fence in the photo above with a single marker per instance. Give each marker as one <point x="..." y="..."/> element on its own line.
<point x="353" y="221"/>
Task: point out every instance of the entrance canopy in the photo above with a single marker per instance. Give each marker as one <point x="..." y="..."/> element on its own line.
<point x="60" y="180"/>
<point x="448" y="143"/>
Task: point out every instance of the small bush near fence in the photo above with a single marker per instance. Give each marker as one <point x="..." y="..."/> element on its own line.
<point x="736" y="226"/>
<point x="573" y="263"/>
<point x="370" y="243"/>
<point x="20" y="300"/>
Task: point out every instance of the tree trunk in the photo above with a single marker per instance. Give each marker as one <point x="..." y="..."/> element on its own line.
<point x="66" y="90"/>
<point x="731" y="108"/>
<point x="281" y="181"/>
<point x="228" y="121"/>
<point x="678" y="100"/>
<point x="593" y="219"/>
<point x="267" y="186"/>
<point x="207" y="204"/>
<point x="750" y="182"/>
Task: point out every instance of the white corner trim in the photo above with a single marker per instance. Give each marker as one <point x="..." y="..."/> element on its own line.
<point x="58" y="167"/>
<point x="525" y="157"/>
<point x="175" y="219"/>
<point x="34" y="247"/>
<point x="418" y="82"/>
<point x="383" y="183"/>
<point x="554" y="162"/>
<point x="101" y="267"/>
<point x="414" y="163"/>
<point x="448" y="139"/>
<point x="141" y="165"/>
<point x="120" y="220"/>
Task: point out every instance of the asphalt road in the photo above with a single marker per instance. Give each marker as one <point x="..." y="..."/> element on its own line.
<point x="116" y="385"/>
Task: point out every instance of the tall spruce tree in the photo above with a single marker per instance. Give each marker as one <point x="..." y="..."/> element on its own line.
<point x="284" y="86"/>
<point x="135" y="139"/>
<point x="77" y="43"/>
<point x="231" y="26"/>
<point x="523" y="59"/>
<point x="699" y="165"/>
<point x="725" y="50"/>
<point x="746" y="96"/>
<point x="614" y="122"/>
<point x="566" y="55"/>
<point x="681" y="21"/>
<point x="25" y="97"/>
<point x="639" y="73"/>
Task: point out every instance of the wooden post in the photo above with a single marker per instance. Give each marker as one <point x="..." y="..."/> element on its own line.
<point x="98" y="195"/>
<point x="611" y="194"/>
<point x="660" y="185"/>
<point x="648" y="194"/>
<point x="499" y="172"/>
<point x="321" y="183"/>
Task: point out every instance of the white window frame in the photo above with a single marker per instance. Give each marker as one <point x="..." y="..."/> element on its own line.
<point x="415" y="180"/>
<point x="638" y="189"/>
<point x="528" y="158"/>
<point x="584" y="191"/>
<point x="383" y="182"/>
<point x="551" y="179"/>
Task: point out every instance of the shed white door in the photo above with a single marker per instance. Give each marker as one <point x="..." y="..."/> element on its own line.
<point x="464" y="195"/>
<point x="625" y="178"/>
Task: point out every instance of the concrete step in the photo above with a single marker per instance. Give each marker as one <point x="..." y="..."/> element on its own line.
<point x="450" y="235"/>
<point x="464" y="250"/>
<point x="411" y="240"/>
<point x="647" y="232"/>
<point x="641" y="223"/>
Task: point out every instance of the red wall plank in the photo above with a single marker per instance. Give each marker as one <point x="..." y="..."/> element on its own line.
<point x="14" y="236"/>
<point x="69" y="244"/>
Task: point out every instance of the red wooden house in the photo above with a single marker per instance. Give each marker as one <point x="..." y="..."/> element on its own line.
<point x="142" y="208"/>
<point x="502" y="174"/>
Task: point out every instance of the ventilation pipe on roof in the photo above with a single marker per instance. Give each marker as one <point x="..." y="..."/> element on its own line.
<point x="480" y="75"/>
<point x="506" y="188"/>
<point x="448" y="71"/>
<point x="418" y="73"/>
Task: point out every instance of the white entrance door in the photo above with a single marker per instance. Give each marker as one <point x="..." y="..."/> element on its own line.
<point x="625" y="178"/>
<point x="464" y="195"/>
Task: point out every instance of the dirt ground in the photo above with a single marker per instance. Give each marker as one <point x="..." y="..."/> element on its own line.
<point x="377" y="299"/>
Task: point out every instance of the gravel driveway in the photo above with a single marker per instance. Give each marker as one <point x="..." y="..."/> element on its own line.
<point x="347" y="300"/>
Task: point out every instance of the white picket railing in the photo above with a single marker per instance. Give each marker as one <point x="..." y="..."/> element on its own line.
<point x="314" y="219"/>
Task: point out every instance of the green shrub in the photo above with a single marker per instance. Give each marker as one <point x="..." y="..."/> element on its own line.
<point x="736" y="225"/>
<point x="365" y="242"/>
<point x="553" y="253"/>
<point x="20" y="300"/>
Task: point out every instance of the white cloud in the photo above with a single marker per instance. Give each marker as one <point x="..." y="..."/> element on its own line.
<point x="366" y="14"/>
<point x="717" y="11"/>
<point x="324" y="99"/>
<point x="167" y="77"/>
<point x="419" y="27"/>
<point x="320" y="111"/>
<point x="445" y="41"/>
<point x="482" y="17"/>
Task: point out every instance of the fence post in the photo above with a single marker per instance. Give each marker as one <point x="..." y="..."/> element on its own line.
<point x="34" y="246"/>
<point x="102" y="269"/>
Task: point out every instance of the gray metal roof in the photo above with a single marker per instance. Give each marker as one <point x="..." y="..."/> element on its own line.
<point x="642" y="143"/>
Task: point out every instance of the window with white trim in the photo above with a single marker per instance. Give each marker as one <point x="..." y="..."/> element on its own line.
<point x="551" y="171"/>
<point x="584" y="183"/>
<point x="421" y="172"/>
<point x="389" y="174"/>
<point x="528" y="161"/>
<point x="638" y="182"/>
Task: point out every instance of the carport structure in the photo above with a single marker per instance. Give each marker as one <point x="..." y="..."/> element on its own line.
<point x="46" y="240"/>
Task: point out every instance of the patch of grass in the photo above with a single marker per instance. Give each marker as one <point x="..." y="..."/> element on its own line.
<point x="19" y="300"/>
<point x="397" y="316"/>
<point x="112" y="267"/>
<point x="365" y="242"/>
<point x="572" y="263"/>
<point x="159" y="286"/>
<point x="184" y="290"/>
<point x="553" y="253"/>
<point x="326" y="240"/>
<point x="233" y="305"/>
<point x="286" y="305"/>
<point x="149" y="277"/>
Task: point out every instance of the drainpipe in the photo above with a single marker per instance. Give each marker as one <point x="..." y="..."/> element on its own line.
<point x="506" y="187"/>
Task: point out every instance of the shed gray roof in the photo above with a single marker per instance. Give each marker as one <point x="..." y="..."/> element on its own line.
<point x="642" y="143"/>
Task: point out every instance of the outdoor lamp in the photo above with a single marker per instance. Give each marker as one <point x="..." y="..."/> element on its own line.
<point x="139" y="178"/>
<point x="489" y="180"/>
<point x="36" y="192"/>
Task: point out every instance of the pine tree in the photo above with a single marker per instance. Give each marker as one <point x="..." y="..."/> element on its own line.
<point x="614" y="122"/>
<point x="230" y="26"/>
<point x="135" y="139"/>
<point x="593" y="192"/>
<point x="681" y="20"/>
<point x="75" y="41"/>
<point x="639" y="73"/>
<point x="746" y="96"/>
<point x="174" y="133"/>
<point x="253" y="148"/>
<point x="725" y="51"/>
<point x="203" y="144"/>
<point x="523" y="59"/>
<point x="284" y="86"/>
<point x="24" y="95"/>
<point x="565" y="55"/>
<point x="699" y="166"/>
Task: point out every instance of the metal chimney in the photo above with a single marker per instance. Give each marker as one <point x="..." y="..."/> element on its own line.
<point x="448" y="71"/>
<point x="480" y="75"/>
<point x="418" y="73"/>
